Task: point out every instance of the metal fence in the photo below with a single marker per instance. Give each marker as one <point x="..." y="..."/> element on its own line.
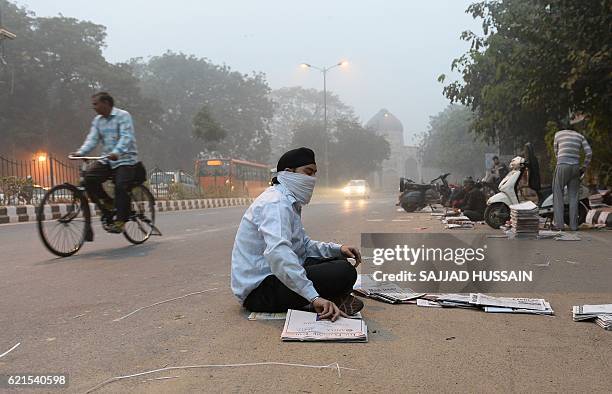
<point x="26" y="181"/>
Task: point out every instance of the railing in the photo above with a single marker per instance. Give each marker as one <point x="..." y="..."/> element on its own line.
<point x="26" y="181"/>
<point x="173" y="185"/>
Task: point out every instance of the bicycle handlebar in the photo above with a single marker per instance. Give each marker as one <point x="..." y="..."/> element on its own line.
<point x="71" y="157"/>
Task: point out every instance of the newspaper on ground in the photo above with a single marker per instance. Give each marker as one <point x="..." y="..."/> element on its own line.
<point x="457" y="298"/>
<point x="267" y="316"/>
<point x="457" y="222"/>
<point x="604" y="321"/>
<point x="537" y="304"/>
<point x="306" y="326"/>
<point x="498" y="309"/>
<point x="450" y="301"/>
<point x="487" y="303"/>
<point x="567" y="237"/>
<point x="452" y="226"/>
<point x="388" y="292"/>
<point x="283" y="315"/>
<point x="586" y="312"/>
<point x="428" y="303"/>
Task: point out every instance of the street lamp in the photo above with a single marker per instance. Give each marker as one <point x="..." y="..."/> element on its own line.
<point x="324" y="71"/>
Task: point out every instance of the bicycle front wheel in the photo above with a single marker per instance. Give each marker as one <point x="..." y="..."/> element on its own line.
<point x="142" y="216"/>
<point x="63" y="220"/>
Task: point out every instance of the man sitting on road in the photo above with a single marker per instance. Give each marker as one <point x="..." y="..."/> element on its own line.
<point x="474" y="203"/>
<point x="275" y="265"/>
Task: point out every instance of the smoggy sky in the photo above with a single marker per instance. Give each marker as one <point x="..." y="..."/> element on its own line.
<point x="395" y="48"/>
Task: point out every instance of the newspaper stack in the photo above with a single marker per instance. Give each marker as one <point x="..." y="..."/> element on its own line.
<point x="524" y="219"/>
<point x="306" y="326"/>
<point x="604" y="321"/>
<point x="601" y="313"/>
<point x="446" y="213"/>
<point x="457" y="222"/>
<point x="536" y="306"/>
<point x="490" y="304"/>
<point x="388" y="292"/>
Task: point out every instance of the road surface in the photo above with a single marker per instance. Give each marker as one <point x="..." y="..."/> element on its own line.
<point x="63" y="313"/>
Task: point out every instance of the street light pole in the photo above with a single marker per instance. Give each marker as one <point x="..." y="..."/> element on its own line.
<point x="325" y="149"/>
<point x="324" y="71"/>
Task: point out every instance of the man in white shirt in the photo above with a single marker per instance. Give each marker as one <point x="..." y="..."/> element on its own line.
<point x="275" y="265"/>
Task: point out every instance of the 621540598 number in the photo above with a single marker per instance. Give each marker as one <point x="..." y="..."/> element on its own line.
<point x="16" y="380"/>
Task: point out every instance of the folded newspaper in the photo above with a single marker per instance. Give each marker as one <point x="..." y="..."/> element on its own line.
<point x="586" y="312"/>
<point x="604" y="321"/>
<point x="488" y="303"/>
<point x="388" y="292"/>
<point x="601" y="313"/>
<point x="306" y="326"/>
<point x="283" y="315"/>
<point x="534" y="304"/>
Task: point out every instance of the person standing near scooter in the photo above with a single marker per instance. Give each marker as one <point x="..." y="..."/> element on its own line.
<point x="568" y="171"/>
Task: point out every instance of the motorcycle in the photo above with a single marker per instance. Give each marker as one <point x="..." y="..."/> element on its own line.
<point x="415" y="196"/>
<point x="497" y="212"/>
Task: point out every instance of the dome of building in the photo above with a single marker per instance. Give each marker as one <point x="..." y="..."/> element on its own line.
<point x="385" y="123"/>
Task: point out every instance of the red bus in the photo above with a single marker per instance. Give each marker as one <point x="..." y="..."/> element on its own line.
<point x="231" y="177"/>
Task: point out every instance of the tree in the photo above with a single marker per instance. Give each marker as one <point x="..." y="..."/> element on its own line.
<point x="58" y="64"/>
<point x="357" y="151"/>
<point x="207" y="128"/>
<point x="354" y="151"/>
<point x="449" y="144"/>
<point x="238" y="103"/>
<point x="538" y="62"/>
<point x="295" y="106"/>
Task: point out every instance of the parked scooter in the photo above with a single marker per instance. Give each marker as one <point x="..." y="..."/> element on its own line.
<point x="497" y="212"/>
<point x="415" y="196"/>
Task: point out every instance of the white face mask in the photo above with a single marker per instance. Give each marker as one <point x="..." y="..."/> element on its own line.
<point x="300" y="185"/>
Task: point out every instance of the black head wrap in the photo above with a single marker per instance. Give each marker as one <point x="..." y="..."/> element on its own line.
<point x="295" y="158"/>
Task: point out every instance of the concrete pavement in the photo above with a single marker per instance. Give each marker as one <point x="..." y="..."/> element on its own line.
<point x="63" y="311"/>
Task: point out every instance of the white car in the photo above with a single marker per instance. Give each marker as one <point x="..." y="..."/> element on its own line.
<point x="358" y="188"/>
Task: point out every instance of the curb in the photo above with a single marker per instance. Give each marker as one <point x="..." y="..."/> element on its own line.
<point x="27" y="213"/>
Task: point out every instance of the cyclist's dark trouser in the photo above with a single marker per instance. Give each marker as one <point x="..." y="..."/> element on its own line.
<point x="123" y="177"/>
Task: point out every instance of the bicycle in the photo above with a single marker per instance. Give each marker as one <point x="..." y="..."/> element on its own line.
<point x="64" y="215"/>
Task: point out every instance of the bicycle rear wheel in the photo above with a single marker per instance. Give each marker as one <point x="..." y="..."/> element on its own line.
<point x="63" y="219"/>
<point x="142" y="216"/>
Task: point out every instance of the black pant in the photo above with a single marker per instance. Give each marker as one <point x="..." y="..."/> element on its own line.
<point x="331" y="278"/>
<point x="123" y="177"/>
<point x="474" y="216"/>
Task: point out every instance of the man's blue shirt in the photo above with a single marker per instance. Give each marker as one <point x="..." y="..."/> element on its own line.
<point x="271" y="240"/>
<point x="116" y="132"/>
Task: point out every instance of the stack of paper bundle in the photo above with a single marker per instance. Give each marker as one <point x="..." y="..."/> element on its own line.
<point x="524" y="219"/>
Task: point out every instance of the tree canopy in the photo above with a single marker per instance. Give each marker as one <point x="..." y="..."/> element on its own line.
<point x="55" y="65"/>
<point x="295" y="106"/>
<point x="537" y="64"/>
<point x="449" y="144"/>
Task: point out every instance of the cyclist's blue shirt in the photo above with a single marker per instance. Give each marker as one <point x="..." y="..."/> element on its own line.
<point x="271" y="240"/>
<point x="117" y="136"/>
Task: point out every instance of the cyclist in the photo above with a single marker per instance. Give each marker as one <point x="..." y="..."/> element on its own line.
<point x="113" y="127"/>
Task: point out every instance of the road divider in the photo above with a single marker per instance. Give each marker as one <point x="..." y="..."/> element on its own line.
<point x="27" y="213"/>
